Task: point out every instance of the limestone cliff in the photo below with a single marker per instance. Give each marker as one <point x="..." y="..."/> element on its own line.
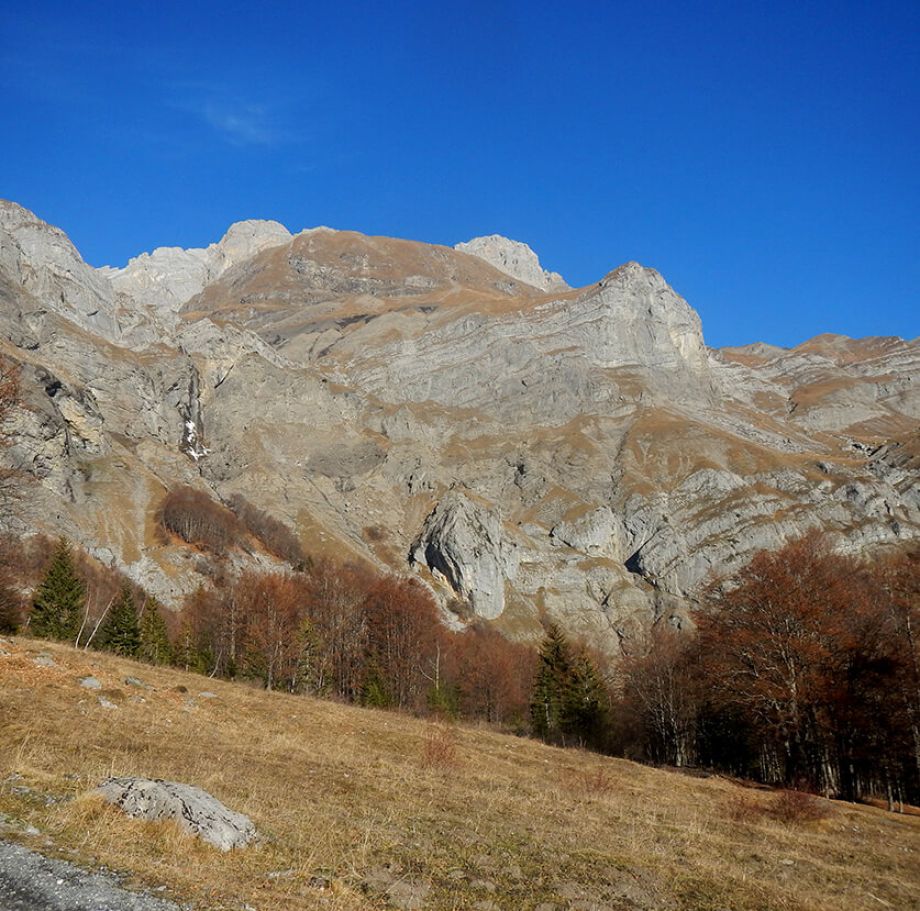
<point x="525" y="448"/>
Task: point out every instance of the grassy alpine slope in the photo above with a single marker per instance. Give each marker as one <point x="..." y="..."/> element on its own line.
<point x="369" y="809"/>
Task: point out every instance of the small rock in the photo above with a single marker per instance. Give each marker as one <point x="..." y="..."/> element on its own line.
<point x="280" y="874"/>
<point x="107" y="703"/>
<point x="90" y="683"/>
<point x="44" y="660"/>
<point x="196" y="811"/>
<point x="319" y="882"/>
<point x="134" y="681"/>
<point x="787" y="863"/>
<point x="207" y="694"/>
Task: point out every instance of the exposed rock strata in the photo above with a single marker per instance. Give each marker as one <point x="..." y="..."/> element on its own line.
<point x="580" y="454"/>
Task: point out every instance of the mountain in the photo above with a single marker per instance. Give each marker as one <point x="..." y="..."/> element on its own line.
<point x="526" y="448"/>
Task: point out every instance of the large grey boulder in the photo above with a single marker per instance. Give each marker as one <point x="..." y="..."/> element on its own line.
<point x="196" y="811"/>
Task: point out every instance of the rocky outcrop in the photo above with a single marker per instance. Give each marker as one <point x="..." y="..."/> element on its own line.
<point x="463" y="543"/>
<point x="194" y="810"/>
<point x="515" y="259"/>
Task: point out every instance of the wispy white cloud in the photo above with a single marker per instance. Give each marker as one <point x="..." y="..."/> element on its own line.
<point x="242" y="123"/>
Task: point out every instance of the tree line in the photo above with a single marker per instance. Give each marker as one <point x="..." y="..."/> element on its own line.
<point x="803" y="670"/>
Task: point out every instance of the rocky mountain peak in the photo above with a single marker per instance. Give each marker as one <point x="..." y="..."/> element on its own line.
<point x="169" y="276"/>
<point x="515" y="259"/>
<point x="246" y="238"/>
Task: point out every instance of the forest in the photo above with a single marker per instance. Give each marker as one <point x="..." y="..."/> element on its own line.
<point x="803" y="669"/>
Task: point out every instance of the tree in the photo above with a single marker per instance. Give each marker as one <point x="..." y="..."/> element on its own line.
<point x="120" y="631"/>
<point x="659" y="695"/>
<point x="272" y="607"/>
<point x="777" y="647"/>
<point x="155" y="647"/>
<point x="584" y="717"/>
<point x="57" y="606"/>
<point x="403" y="642"/>
<point x="550" y="696"/>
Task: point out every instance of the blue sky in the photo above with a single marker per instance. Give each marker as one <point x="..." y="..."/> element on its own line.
<point x="765" y="157"/>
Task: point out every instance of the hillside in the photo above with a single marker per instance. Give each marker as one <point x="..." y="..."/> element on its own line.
<point x="364" y="809"/>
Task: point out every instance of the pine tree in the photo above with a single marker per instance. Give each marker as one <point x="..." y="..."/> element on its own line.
<point x="120" y="632"/>
<point x="57" y="606"/>
<point x="551" y="690"/>
<point x="584" y="715"/>
<point x="155" y="647"/>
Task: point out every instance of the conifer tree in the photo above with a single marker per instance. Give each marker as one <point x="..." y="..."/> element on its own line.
<point x="584" y="716"/>
<point x="120" y="632"/>
<point x="551" y="691"/>
<point x="155" y="647"/>
<point x="57" y="606"/>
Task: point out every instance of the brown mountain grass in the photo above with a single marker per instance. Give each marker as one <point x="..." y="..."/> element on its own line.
<point x="365" y="809"/>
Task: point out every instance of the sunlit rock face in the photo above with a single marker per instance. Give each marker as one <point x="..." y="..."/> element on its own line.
<point x="526" y="449"/>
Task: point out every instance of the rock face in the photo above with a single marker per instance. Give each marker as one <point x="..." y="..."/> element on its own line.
<point x="579" y="454"/>
<point x="463" y="542"/>
<point x="514" y="259"/>
<point x="196" y="811"/>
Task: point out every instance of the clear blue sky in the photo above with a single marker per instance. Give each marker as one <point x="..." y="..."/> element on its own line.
<point x="765" y="157"/>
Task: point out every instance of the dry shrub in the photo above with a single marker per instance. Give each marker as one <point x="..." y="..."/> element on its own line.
<point x="797" y="807"/>
<point x="439" y="751"/>
<point x="787" y="807"/>
<point x="274" y="535"/>
<point x="196" y="518"/>
<point x="592" y="782"/>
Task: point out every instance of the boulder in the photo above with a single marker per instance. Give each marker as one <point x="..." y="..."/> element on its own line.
<point x="196" y="811"/>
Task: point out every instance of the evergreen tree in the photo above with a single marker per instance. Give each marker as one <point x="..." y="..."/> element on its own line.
<point x="120" y="632"/>
<point x="155" y="647"/>
<point x="57" y="607"/>
<point x="584" y="716"/>
<point x="551" y="698"/>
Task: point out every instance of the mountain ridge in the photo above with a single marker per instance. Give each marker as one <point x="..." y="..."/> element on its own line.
<point x="578" y="453"/>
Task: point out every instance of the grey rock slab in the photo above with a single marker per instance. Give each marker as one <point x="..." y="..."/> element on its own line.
<point x="197" y="812"/>
<point x="44" y="660"/>
<point x="31" y="882"/>
<point x="90" y="683"/>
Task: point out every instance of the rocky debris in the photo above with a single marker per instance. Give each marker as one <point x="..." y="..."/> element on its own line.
<point x="31" y="882"/>
<point x="515" y="259"/>
<point x="44" y="660"/>
<point x="90" y="683"/>
<point x="196" y="811"/>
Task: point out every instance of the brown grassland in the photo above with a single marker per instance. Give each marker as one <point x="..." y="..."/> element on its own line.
<point x="366" y="809"/>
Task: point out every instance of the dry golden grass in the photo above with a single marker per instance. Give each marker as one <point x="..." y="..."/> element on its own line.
<point x="364" y="809"/>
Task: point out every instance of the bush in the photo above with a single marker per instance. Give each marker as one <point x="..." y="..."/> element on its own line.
<point x="196" y="518"/>
<point x="797" y="807"/>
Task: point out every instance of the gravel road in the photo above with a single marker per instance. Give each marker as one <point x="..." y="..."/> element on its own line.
<point x="30" y="882"/>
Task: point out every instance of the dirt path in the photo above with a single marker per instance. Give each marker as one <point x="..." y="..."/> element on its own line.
<point x="31" y="882"/>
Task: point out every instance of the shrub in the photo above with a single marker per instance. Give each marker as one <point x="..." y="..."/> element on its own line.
<point x="439" y="750"/>
<point x="797" y="807"/>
